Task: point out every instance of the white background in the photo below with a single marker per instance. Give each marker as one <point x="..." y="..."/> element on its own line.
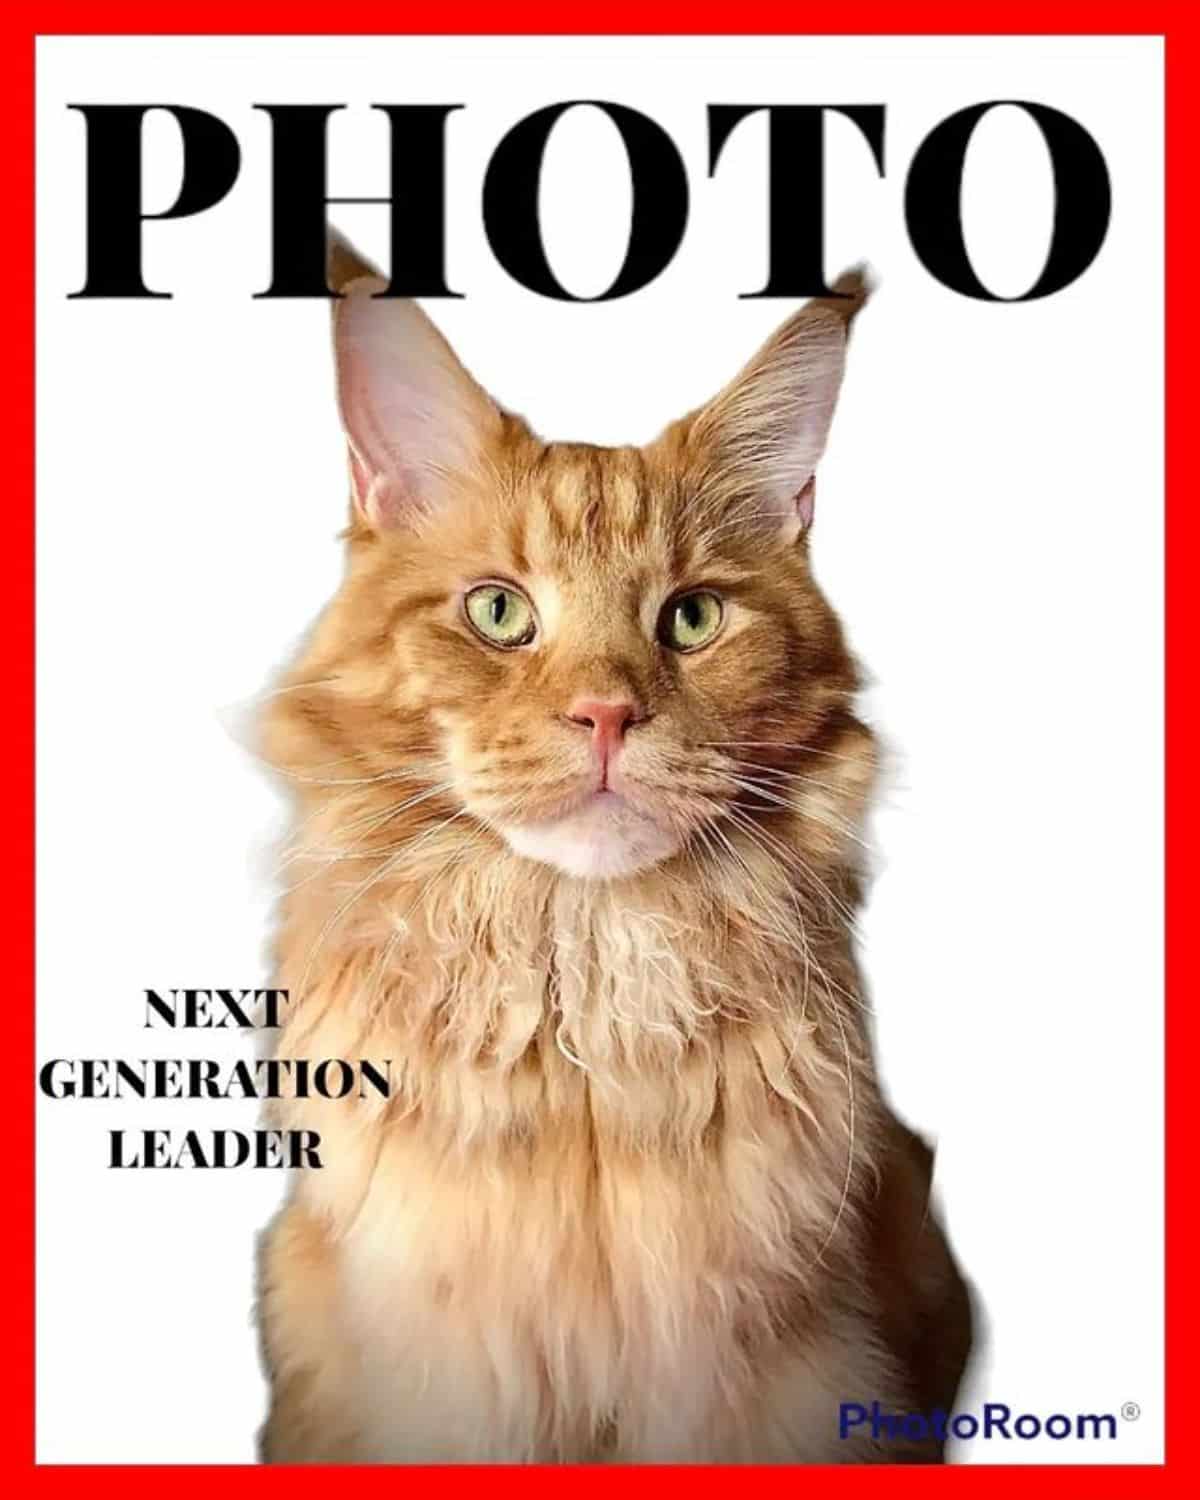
<point x="989" y="523"/>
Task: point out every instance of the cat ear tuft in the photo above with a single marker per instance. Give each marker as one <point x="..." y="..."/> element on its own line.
<point x="851" y="292"/>
<point x="412" y="414"/>
<point x="762" y="436"/>
<point x="345" y="262"/>
<point x="806" y="502"/>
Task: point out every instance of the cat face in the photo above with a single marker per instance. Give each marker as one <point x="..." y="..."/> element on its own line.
<point x="598" y="654"/>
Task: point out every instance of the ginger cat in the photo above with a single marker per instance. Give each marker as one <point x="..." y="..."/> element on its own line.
<point x="578" y="782"/>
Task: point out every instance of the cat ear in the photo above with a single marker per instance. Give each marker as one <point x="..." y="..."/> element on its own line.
<point x="761" y="437"/>
<point x="411" y="413"/>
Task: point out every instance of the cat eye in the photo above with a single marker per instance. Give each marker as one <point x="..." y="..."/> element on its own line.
<point x="691" y="620"/>
<point x="501" y="615"/>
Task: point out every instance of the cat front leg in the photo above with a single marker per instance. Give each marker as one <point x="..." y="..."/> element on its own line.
<point x="309" y="1363"/>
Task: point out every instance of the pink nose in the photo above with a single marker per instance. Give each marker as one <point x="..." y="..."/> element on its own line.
<point x="607" y="720"/>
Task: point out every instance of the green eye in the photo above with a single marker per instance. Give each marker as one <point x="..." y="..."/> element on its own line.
<point x="501" y="615"/>
<point x="691" y="620"/>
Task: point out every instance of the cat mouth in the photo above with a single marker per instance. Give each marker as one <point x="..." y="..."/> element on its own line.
<point x="606" y="796"/>
<point x="603" y="795"/>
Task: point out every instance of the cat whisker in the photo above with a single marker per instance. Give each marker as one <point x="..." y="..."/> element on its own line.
<point x="365" y="821"/>
<point x="784" y="773"/>
<point x="302" y="780"/>
<point x="328" y="857"/>
<point x="786" y="858"/>
<point x="797" y="745"/>
<point x="280" y="692"/>
<point x="851" y="1126"/>
<point x="455" y="857"/>
<point x="372" y="880"/>
<point x="791" y="858"/>
<point x="826" y="819"/>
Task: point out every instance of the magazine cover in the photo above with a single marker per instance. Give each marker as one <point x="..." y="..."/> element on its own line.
<point x="599" y="746"/>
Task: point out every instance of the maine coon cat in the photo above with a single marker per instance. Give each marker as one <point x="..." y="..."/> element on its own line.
<point x="578" y="785"/>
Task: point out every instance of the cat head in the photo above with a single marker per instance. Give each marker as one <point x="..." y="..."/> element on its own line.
<point x="604" y="657"/>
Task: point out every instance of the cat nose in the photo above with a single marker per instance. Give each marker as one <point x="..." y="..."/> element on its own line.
<point x="607" y="719"/>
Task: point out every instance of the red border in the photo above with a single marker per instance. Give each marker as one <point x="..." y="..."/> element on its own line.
<point x="18" y="29"/>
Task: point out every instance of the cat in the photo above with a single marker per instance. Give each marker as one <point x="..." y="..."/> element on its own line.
<point x="579" y="784"/>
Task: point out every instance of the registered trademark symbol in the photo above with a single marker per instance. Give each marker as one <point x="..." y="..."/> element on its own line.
<point x="1131" y="1411"/>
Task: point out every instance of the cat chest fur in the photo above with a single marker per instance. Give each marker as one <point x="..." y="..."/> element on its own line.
<point x="619" y="1144"/>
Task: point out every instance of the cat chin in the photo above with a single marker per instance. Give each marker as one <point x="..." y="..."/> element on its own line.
<point x="605" y="838"/>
